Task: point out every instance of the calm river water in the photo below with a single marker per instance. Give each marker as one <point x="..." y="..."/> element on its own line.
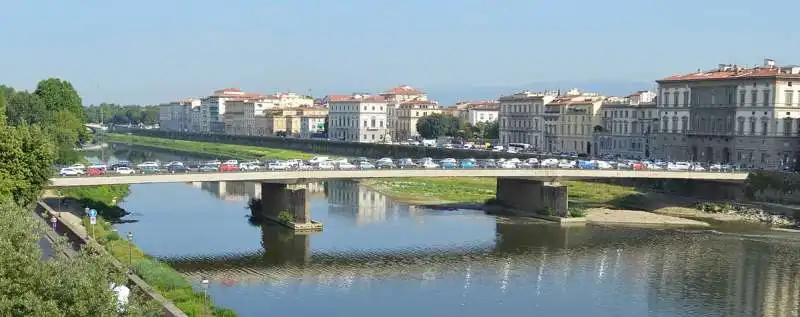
<point x="381" y="258"/>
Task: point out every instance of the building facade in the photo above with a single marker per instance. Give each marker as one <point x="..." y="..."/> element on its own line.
<point x="625" y="127"/>
<point x="358" y="118"/>
<point x="570" y="120"/>
<point x="731" y="114"/>
<point x="177" y="115"/>
<point x="407" y="114"/>
<point x="312" y="121"/>
<point x="521" y="118"/>
<point x="396" y="96"/>
<point x="213" y="107"/>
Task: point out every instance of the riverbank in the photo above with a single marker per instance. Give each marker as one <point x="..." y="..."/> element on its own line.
<point x="216" y="149"/>
<point x="166" y="281"/>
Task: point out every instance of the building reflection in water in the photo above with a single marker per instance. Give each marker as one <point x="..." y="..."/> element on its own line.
<point x="365" y="205"/>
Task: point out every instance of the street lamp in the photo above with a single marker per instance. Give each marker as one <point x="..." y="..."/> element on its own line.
<point x="204" y="283"/>
<point x="130" y="251"/>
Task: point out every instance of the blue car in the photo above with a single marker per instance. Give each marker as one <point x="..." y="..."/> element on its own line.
<point x="467" y="164"/>
<point x="447" y="164"/>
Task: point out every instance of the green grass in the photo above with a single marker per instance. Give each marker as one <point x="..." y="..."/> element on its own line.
<point x="219" y="149"/>
<point x="479" y="189"/>
<point x="171" y="284"/>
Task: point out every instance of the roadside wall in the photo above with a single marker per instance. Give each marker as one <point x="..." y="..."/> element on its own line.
<point x="327" y="147"/>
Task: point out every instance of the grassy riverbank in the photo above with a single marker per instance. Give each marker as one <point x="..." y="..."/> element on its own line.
<point x="218" y="149"/>
<point x="478" y="190"/>
<point x="171" y="284"/>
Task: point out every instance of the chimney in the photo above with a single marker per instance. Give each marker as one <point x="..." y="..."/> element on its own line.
<point x="769" y="62"/>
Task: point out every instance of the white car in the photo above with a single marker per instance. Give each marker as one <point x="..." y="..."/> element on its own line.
<point x="125" y="170"/>
<point x="549" y="163"/>
<point x="698" y="168"/>
<point x="304" y="167"/>
<point x="277" y="166"/>
<point x="174" y="163"/>
<point x="429" y="164"/>
<point x="148" y="164"/>
<point x="385" y="160"/>
<point x="248" y="167"/>
<point x="566" y="164"/>
<point x="79" y="167"/>
<point x="346" y="166"/>
<point x="365" y="165"/>
<point x="325" y="165"/>
<point x="69" y="171"/>
<point x="508" y="164"/>
<point x="318" y="159"/>
<point x="603" y="165"/>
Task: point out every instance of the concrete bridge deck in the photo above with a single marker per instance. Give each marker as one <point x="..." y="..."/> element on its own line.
<point x="543" y="174"/>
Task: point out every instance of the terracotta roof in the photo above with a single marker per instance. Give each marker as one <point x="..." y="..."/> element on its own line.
<point x="403" y="90"/>
<point x="734" y="73"/>
<point x="359" y="98"/>
<point x="418" y="102"/>
<point x="337" y="97"/>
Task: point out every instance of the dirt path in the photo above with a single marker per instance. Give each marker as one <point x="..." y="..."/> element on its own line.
<point x="638" y="218"/>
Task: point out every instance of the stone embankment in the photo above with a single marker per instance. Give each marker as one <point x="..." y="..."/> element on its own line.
<point x="746" y="213"/>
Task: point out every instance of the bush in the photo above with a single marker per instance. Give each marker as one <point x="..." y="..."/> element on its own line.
<point x="546" y="212"/>
<point x="160" y="275"/>
<point x="285" y="216"/>
<point x="576" y="212"/>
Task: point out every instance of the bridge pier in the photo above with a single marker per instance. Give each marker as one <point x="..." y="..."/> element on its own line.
<point x="277" y="197"/>
<point x="532" y="196"/>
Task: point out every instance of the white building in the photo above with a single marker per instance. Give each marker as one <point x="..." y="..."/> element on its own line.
<point x="521" y="117"/>
<point x="625" y="126"/>
<point x="288" y="100"/>
<point x="212" y="108"/>
<point x="396" y="96"/>
<point x="358" y="118"/>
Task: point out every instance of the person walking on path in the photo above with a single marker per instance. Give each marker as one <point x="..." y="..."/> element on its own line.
<point x="53" y="221"/>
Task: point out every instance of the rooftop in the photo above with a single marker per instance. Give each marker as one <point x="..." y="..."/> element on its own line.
<point x="403" y="90"/>
<point x="730" y="72"/>
<point x="358" y="98"/>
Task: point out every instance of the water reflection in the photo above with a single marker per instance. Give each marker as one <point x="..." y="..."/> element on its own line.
<point x="377" y="256"/>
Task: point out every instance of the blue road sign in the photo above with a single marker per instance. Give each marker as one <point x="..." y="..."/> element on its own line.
<point x="92" y="213"/>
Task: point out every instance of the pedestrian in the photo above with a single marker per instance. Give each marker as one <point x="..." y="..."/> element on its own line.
<point x="53" y="221"/>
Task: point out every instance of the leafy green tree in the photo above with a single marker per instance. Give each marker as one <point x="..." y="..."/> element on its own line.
<point x="25" y="107"/>
<point x="3" y="106"/>
<point x="492" y="130"/>
<point x="58" y="95"/>
<point x="26" y="157"/>
<point x="65" y="134"/>
<point x="110" y="113"/>
<point x="437" y="125"/>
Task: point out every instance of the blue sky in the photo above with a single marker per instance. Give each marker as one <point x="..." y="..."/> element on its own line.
<point x="152" y="51"/>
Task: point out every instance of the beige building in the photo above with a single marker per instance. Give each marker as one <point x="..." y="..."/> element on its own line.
<point x="747" y="116"/>
<point x="213" y="108"/>
<point x="408" y="114"/>
<point x="312" y="121"/>
<point x="288" y="100"/>
<point x="396" y="96"/>
<point x="521" y="119"/>
<point x="569" y="122"/>
<point x="358" y="118"/>
<point x="625" y="126"/>
<point x="473" y="112"/>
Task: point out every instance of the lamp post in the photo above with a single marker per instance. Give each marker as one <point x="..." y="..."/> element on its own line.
<point x="204" y="283"/>
<point x="130" y="251"/>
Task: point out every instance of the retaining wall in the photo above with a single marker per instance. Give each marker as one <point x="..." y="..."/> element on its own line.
<point x="328" y="147"/>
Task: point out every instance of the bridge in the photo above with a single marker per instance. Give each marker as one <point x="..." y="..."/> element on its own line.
<point x="297" y="176"/>
<point x="524" y="190"/>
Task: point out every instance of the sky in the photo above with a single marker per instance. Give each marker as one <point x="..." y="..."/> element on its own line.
<point x="148" y="52"/>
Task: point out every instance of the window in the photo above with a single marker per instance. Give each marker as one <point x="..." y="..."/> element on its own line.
<point x="675" y="99"/>
<point x="684" y="123"/>
<point x="764" y="127"/>
<point x="788" y="97"/>
<point x="752" y="126"/>
<point x="664" y="124"/>
<point x="787" y="126"/>
<point x="740" y="126"/>
<point x="666" y="99"/>
<point x="674" y="124"/>
<point x="753" y="98"/>
<point x="766" y="98"/>
<point x="685" y="98"/>
<point x="741" y="98"/>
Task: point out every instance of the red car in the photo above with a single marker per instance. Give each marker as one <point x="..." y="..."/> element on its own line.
<point x="95" y="172"/>
<point x="228" y="168"/>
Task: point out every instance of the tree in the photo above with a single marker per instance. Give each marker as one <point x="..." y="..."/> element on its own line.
<point x="3" y="106"/>
<point x="26" y="157"/>
<point x="117" y="114"/>
<point x="25" y="107"/>
<point x="57" y="94"/>
<point x="492" y="131"/>
<point x="437" y="125"/>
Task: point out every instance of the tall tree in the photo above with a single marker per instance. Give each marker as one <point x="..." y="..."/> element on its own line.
<point x="25" y="107"/>
<point x="3" y="106"/>
<point x="437" y="125"/>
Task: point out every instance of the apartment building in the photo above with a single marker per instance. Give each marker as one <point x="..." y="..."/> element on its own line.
<point x="288" y="100"/>
<point x="177" y="115"/>
<point x="474" y="112"/>
<point x="521" y="119"/>
<point x="312" y="121"/>
<point x="358" y="118"/>
<point x="241" y="115"/>
<point x="396" y="96"/>
<point x="570" y="120"/>
<point x="407" y="114"/>
<point x="626" y="125"/>
<point x="213" y="107"/>
<point x="743" y="115"/>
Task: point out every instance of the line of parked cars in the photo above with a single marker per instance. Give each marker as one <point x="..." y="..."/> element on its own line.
<point x="363" y="163"/>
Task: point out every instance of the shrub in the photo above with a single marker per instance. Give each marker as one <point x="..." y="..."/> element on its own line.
<point x="160" y="275"/>
<point x="576" y="212"/>
<point x="285" y="216"/>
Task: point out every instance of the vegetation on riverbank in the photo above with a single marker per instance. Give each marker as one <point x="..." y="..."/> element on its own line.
<point x="222" y="150"/>
<point x="104" y="199"/>
<point x="477" y="190"/>
<point x="171" y="284"/>
<point x="37" y="130"/>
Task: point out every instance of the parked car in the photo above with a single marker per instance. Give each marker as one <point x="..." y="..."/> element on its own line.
<point x="508" y="164"/>
<point x="177" y="168"/>
<point x="69" y="171"/>
<point x="148" y="169"/>
<point x="95" y="172"/>
<point x="406" y="163"/>
<point x="149" y="164"/>
<point x="448" y="163"/>
<point x="124" y="170"/>
<point x="208" y="168"/>
<point x="364" y="165"/>
<point x="430" y="164"/>
<point x="248" y="167"/>
<point x="346" y="166"/>
<point x="79" y="167"/>
<point x="318" y="159"/>
<point x="277" y="165"/>
<point x="384" y="164"/>
<point x="228" y="167"/>
<point x="324" y="165"/>
<point x="467" y="163"/>
<point x="489" y="163"/>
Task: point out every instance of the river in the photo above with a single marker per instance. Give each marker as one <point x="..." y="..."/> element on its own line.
<point x="377" y="257"/>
